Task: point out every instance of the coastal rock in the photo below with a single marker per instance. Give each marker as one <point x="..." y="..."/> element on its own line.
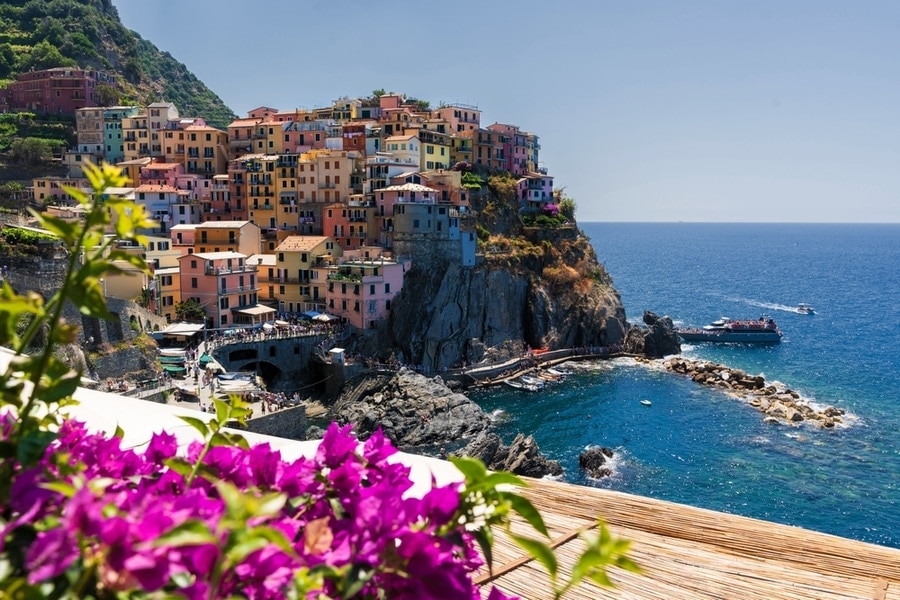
<point x="656" y="340"/>
<point x="779" y="404"/>
<point x="411" y="409"/>
<point x="592" y="461"/>
<point x="521" y="457"/>
<point x="554" y="295"/>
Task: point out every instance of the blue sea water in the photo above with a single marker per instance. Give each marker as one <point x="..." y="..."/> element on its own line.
<point x="697" y="446"/>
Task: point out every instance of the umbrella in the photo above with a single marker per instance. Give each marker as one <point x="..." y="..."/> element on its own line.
<point x="325" y="318"/>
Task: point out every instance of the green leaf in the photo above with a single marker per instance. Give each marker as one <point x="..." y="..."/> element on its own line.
<point x="498" y="478"/>
<point x="32" y="446"/>
<point x="541" y="553"/>
<point x="189" y="533"/>
<point x="527" y="511"/>
<point x="472" y="468"/>
<point x="60" y="487"/>
<point x="485" y="538"/>
<point x="198" y="424"/>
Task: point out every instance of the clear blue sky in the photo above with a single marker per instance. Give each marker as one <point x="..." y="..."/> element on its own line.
<point x="762" y="111"/>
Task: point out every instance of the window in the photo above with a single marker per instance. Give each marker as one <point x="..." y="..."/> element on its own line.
<point x="371" y="306"/>
<point x="372" y="289"/>
<point x="193" y="264"/>
<point x="193" y="282"/>
<point x="429" y="149"/>
<point x="387" y="288"/>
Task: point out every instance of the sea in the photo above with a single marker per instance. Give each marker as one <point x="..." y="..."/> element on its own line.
<point x="700" y="447"/>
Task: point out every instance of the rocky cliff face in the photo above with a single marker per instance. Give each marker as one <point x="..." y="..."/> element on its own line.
<point x="546" y="288"/>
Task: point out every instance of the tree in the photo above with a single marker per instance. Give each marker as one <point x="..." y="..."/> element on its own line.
<point x="378" y="93"/>
<point x="106" y="95"/>
<point x="31" y="151"/>
<point x="7" y="60"/>
<point x="190" y="311"/>
<point x="45" y="55"/>
<point x="567" y="205"/>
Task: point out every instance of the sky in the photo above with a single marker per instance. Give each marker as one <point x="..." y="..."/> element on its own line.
<point x="695" y="111"/>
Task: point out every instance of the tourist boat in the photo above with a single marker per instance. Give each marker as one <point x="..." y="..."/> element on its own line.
<point x="805" y="309"/>
<point x="646" y="402"/>
<point x="725" y="330"/>
<point x="558" y="372"/>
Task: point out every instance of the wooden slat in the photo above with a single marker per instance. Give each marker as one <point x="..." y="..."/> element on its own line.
<point x="690" y="553"/>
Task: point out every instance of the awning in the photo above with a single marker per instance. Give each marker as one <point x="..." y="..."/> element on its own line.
<point x="259" y="309"/>
<point x="183" y="328"/>
<point x="310" y="314"/>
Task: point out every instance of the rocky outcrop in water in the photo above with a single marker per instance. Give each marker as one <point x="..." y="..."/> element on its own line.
<point x="521" y="457"/>
<point x="778" y="403"/>
<point x="656" y="340"/>
<point x="593" y="461"/>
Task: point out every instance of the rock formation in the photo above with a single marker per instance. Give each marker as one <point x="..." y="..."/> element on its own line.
<point x="657" y="340"/>
<point x="776" y="402"/>
<point x="553" y="293"/>
<point x="522" y="456"/>
<point x="411" y="409"/>
<point x="593" y="461"/>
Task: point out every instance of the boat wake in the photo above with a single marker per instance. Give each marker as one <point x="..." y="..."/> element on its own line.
<point x="770" y="306"/>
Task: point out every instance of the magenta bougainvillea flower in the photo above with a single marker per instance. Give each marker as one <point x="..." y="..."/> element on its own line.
<point x="337" y="521"/>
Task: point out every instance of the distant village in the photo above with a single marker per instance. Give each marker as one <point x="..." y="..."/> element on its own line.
<point x="286" y="212"/>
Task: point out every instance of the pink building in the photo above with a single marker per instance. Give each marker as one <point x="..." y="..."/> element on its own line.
<point x="515" y="148"/>
<point x="350" y="224"/>
<point x="360" y="290"/>
<point x="225" y="285"/>
<point x="57" y="91"/>
<point x="535" y="190"/>
<point x="385" y="199"/>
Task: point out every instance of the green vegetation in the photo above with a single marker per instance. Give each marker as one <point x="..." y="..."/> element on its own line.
<point x="190" y="311"/>
<point x="56" y="131"/>
<point x="471" y="181"/>
<point x="42" y="34"/>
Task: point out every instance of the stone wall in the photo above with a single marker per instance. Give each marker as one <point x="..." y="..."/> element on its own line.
<point x="289" y="423"/>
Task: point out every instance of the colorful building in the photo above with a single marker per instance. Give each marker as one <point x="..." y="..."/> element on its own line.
<point x="225" y="285"/>
<point x="297" y="257"/>
<point x="56" y="91"/>
<point x="360" y="290"/>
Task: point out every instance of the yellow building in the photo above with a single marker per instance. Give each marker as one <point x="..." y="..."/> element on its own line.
<point x="206" y="150"/>
<point x="136" y="134"/>
<point x="435" y="149"/>
<point x="259" y="178"/>
<point x="297" y="288"/>
<point x="168" y="284"/>
<point x="224" y="236"/>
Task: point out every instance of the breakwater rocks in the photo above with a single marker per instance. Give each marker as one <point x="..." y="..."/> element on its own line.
<point x="778" y="403"/>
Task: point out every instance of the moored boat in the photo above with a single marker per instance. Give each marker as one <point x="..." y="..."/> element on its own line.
<point x="725" y="330"/>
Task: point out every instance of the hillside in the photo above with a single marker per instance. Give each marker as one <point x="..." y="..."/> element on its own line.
<point x="41" y="34"/>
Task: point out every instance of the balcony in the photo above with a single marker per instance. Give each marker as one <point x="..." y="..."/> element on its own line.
<point x="344" y="277"/>
<point x="238" y="290"/>
<point x="229" y="270"/>
<point x="265" y="206"/>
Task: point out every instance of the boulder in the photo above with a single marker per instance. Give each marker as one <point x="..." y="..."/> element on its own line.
<point x="521" y="457"/>
<point x="592" y="461"/>
<point x="656" y="340"/>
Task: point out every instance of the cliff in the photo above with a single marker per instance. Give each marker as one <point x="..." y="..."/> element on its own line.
<point x="543" y="287"/>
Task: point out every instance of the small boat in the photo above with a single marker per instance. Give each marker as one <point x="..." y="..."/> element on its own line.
<point x="557" y="372"/>
<point x="521" y="385"/>
<point x="759" y="331"/>
<point x="646" y="402"/>
<point x="805" y="309"/>
<point x="529" y="380"/>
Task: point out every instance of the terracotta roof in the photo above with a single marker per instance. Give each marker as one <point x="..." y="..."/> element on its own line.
<point x="222" y="224"/>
